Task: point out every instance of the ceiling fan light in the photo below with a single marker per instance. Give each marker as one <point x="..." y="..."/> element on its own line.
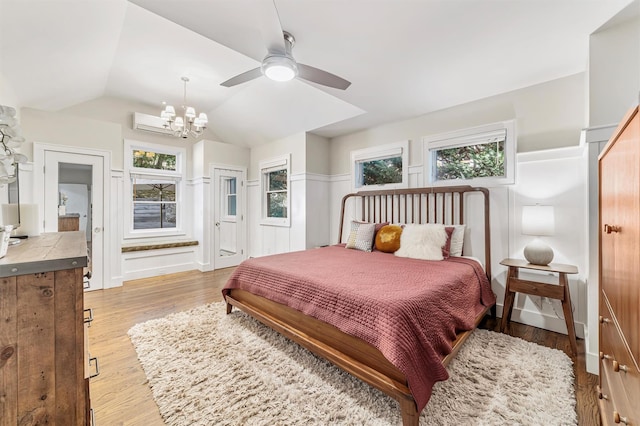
<point x="279" y="68"/>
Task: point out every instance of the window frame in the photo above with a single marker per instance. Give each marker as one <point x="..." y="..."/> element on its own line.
<point x="468" y="137"/>
<point x="266" y="167"/>
<point x="224" y="213"/>
<point x="359" y="156"/>
<point x="175" y="176"/>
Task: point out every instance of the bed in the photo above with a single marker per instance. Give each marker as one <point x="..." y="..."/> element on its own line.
<point x="400" y="339"/>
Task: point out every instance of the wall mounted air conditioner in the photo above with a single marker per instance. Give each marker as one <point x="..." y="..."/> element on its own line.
<point x="150" y="123"/>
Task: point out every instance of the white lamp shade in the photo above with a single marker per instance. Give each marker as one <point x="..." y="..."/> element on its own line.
<point x="179" y="122"/>
<point x="203" y="118"/>
<point x="191" y="112"/>
<point x="538" y="220"/>
<point x="170" y="110"/>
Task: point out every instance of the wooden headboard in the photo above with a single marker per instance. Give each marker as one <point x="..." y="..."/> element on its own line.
<point x="445" y="205"/>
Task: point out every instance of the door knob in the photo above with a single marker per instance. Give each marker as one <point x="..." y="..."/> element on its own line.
<point x="218" y="224"/>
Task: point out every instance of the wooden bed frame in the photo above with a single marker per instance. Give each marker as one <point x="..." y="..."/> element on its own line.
<point x="419" y="205"/>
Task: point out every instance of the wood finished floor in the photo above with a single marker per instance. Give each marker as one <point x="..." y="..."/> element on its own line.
<point x="120" y="395"/>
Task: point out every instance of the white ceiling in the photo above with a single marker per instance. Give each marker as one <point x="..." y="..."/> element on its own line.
<point x="404" y="57"/>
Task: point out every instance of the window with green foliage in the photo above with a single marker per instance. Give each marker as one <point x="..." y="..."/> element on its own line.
<point x="275" y="191"/>
<point x="154" y="186"/>
<point x="382" y="171"/>
<point x="154" y="160"/>
<point x="483" y="155"/>
<point x="471" y="161"/>
<point x="383" y="166"/>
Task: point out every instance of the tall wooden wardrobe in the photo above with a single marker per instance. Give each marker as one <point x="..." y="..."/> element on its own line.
<point x="619" y="181"/>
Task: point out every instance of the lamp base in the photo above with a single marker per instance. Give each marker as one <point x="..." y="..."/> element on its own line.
<point x="538" y="253"/>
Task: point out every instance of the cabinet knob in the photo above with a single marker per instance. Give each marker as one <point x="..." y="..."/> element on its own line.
<point x="604" y="320"/>
<point x="617" y="367"/>
<point x="602" y="395"/>
<point x="608" y="229"/>
<point x="605" y="356"/>
<point x="617" y="418"/>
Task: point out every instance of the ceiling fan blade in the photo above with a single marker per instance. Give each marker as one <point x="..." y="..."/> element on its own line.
<point x="242" y="78"/>
<point x="270" y="27"/>
<point x="319" y="76"/>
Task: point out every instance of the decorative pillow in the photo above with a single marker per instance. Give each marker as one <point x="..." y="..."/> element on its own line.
<point x="422" y="241"/>
<point x="446" y="248"/>
<point x="388" y="238"/>
<point x="457" y="240"/>
<point x="361" y="236"/>
<point x="379" y="226"/>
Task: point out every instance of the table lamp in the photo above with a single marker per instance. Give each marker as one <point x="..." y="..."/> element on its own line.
<point x="538" y="221"/>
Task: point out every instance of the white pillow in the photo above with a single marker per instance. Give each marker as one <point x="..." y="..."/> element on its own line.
<point x="457" y="240"/>
<point x="361" y="236"/>
<point x="422" y="241"/>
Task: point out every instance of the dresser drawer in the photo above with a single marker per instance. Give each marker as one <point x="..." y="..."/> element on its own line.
<point x="622" y="375"/>
<point x="616" y="408"/>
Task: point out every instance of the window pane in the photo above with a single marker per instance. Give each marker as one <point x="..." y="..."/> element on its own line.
<point x="154" y="160"/>
<point x="382" y="171"/>
<point x="277" y="204"/>
<point x="231" y="185"/>
<point x="157" y="191"/>
<point x="154" y="215"/>
<point x="231" y="205"/>
<point x="277" y="180"/>
<point x="471" y="161"/>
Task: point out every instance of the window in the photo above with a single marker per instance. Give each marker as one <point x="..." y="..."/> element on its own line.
<point x="381" y="167"/>
<point x="229" y="199"/>
<point x="154" y="203"/>
<point x="275" y="190"/>
<point x="154" y="187"/>
<point x="483" y="155"/>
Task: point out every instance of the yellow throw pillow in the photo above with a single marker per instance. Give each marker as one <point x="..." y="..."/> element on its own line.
<point x="388" y="238"/>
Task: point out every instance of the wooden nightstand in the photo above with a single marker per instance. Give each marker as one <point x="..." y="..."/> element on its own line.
<point x="560" y="292"/>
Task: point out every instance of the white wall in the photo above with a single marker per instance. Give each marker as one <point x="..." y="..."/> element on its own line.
<point x="548" y="115"/>
<point x="614" y="67"/>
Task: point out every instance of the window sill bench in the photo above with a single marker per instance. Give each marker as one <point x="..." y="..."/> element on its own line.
<point x="157" y="246"/>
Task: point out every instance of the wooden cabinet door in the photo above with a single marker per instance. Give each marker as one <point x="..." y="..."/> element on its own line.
<point x="620" y="249"/>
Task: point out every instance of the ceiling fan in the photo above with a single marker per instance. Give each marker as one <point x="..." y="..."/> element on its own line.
<point x="279" y="64"/>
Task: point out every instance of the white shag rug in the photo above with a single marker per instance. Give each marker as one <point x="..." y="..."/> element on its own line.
<point x="208" y="368"/>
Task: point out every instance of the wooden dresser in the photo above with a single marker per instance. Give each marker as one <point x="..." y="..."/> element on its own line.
<point x="43" y="379"/>
<point x="69" y="222"/>
<point x="619" y="167"/>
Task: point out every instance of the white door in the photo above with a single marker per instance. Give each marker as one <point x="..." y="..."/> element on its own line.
<point x="228" y="218"/>
<point x="64" y="176"/>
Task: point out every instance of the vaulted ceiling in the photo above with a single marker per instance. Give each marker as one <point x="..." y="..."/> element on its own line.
<point x="404" y="57"/>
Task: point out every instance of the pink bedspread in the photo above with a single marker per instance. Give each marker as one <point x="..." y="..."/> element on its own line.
<point x="409" y="309"/>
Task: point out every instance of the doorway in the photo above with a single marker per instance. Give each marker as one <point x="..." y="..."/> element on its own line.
<point x="229" y="228"/>
<point x="73" y="197"/>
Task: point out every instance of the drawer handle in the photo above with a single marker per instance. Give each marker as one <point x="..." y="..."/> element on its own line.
<point x="619" y="367"/>
<point x="611" y="228"/>
<point x="93" y="417"/>
<point x="97" y="373"/>
<point x="88" y="319"/>
<point x="605" y="356"/>
<point x="602" y="395"/>
<point x="617" y="418"/>
<point x="604" y="320"/>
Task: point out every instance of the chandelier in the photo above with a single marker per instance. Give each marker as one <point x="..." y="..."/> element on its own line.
<point x="188" y="124"/>
<point x="10" y="139"/>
